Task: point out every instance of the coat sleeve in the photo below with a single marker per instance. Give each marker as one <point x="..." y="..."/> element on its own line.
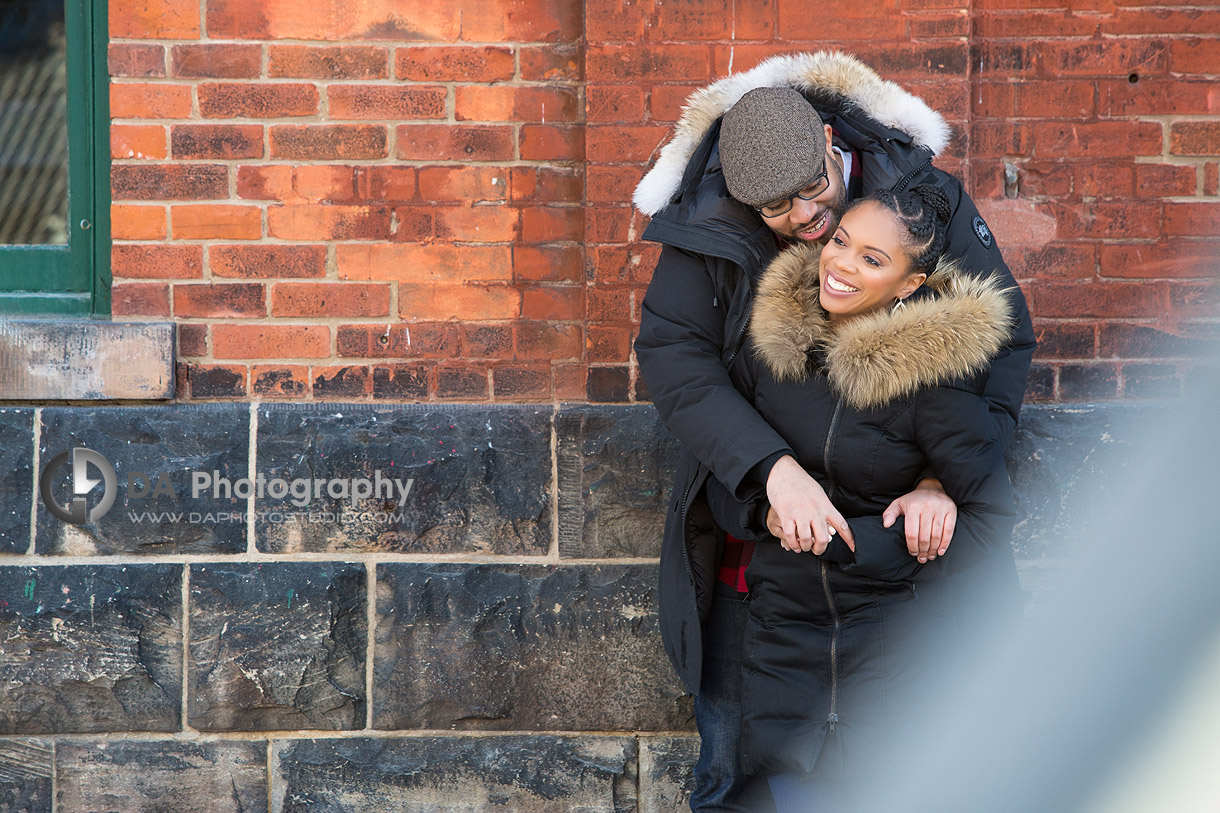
<point x="682" y="335"/>
<point x="955" y="430"/>
<point x="980" y="255"/>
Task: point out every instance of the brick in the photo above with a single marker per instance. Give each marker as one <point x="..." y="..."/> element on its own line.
<point x="216" y="61"/>
<point x="540" y="21"/>
<point x="623" y="143"/>
<point x="154" y="19"/>
<point x="279" y="380"/>
<point x="651" y="63"/>
<point x="899" y="62"/>
<point x="139" y="299"/>
<point x="217" y="380"/>
<point x="1194" y="137"/>
<point x="386" y="183"/>
<point x="267" y="261"/>
<point x="265" y="182"/>
<point x="333" y="20"/>
<point x="1107" y="219"/>
<point x="333" y="62"/>
<point x="1131" y="341"/>
<point x="463" y="183"/>
<point x="1201" y="219"/>
<point x="386" y="102"/>
<point x="666" y="102"/>
<point x="608" y="224"/>
<point x="611" y="264"/>
<point x="341" y="382"/>
<point x="1001" y="138"/>
<point x="548" y="340"/>
<point x="1106" y="59"/>
<point x="433" y="63"/>
<point x="1151" y="381"/>
<point x="570" y="381"/>
<point x="477" y="224"/>
<point x="543" y="184"/>
<point x="325" y="182"/>
<point x="547" y="224"/>
<point x="328" y="142"/>
<point x="545" y="142"/>
<point x="418" y="340"/>
<point x="558" y="302"/>
<point x="547" y="264"/>
<point x="311" y="222"/>
<point x="608" y="384"/>
<point x="1065" y="340"/>
<point x="609" y="344"/>
<point x="1028" y="24"/>
<point x="796" y="23"/>
<point x="1211" y="178"/>
<point x="622" y="103"/>
<point x="136" y="100"/>
<point x="706" y="20"/>
<point x="500" y="103"/>
<point x="487" y="341"/>
<point x="1080" y="381"/>
<point x="1040" y="386"/>
<point x="609" y="305"/>
<point x="414" y="224"/>
<point x="134" y="60"/>
<point x="400" y="382"/>
<point x="1189" y="56"/>
<point x="137" y="141"/>
<point x="156" y="262"/>
<point x="948" y="26"/>
<point x="216" y="141"/>
<point x="325" y="299"/>
<point x="521" y="383"/>
<point x="270" y="341"/>
<point x="134" y="222"/>
<point x="1157" y="97"/>
<point x="1148" y="21"/>
<point x="1058" y="100"/>
<point x="551" y="63"/>
<point x="1055" y="260"/>
<point x="224" y="100"/>
<point x="1005" y="60"/>
<point x="618" y="22"/>
<point x="430" y="302"/>
<point x="230" y="299"/>
<point x="461" y="382"/>
<point x="613" y="184"/>
<point x="1098" y="300"/>
<point x="423" y="263"/>
<point x="440" y="142"/>
<point x="169" y="182"/>
<point x="216" y="222"/>
<point x="1097" y="139"/>
<point x="1164" y="180"/>
<point x="1194" y="299"/>
<point x="1102" y="180"/>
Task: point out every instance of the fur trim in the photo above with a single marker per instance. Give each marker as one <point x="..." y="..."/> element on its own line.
<point x="828" y="71"/>
<point x="874" y="359"/>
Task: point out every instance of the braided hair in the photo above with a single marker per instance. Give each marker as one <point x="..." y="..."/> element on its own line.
<point x="923" y="212"/>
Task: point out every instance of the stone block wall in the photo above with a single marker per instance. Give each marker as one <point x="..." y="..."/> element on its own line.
<point x="490" y="643"/>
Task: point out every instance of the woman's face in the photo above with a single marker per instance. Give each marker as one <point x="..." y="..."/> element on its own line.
<point x="864" y="266"/>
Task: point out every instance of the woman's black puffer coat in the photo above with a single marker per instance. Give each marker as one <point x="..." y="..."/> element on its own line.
<point x="837" y="645"/>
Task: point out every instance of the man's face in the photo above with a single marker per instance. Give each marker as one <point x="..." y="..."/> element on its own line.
<point x="817" y="219"/>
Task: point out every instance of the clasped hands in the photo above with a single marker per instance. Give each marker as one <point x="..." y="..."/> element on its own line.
<point x="804" y="519"/>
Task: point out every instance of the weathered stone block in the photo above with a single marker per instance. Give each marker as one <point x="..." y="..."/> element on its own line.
<point x="25" y="775"/>
<point x="574" y="647"/>
<point x="667" y="774"/>
<point x="170" y="440"/>
<point x="456" y="774"/>
<point x="616" y="468"/>
<point x="85" y="649"/>
<point x="479" y="477"/>
<point x="279" y="646"/>
<point x="16" y="478"/>
<point x="162" y="775"/>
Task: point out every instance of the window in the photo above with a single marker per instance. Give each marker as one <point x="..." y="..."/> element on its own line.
<point x="54" y="158"/>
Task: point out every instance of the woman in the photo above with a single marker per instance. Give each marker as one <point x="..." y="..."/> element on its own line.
<point x="872" y="392"/>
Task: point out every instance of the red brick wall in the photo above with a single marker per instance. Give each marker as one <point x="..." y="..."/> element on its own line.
<point x="407" y="200"/>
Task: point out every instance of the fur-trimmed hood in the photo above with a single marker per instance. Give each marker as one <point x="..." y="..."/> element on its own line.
<point x="825" y="72"/>
<point x="875" y="359"/>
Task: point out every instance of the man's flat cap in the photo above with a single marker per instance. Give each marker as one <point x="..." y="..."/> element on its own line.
<point x="771" y="145"/>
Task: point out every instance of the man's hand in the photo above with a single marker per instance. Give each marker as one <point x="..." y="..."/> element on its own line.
<point x="803" y="513"/>
<point x="930" y="519"/>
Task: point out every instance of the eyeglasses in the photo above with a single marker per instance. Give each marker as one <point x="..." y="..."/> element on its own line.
<point x="781" y="207"/>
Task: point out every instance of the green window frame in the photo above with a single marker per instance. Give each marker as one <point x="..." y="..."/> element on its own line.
<point x="74" y="278"/>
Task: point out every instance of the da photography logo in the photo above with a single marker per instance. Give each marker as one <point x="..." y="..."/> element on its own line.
<point x="77" y="511"/>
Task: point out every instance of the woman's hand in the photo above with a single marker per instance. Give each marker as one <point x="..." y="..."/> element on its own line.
<point x="802" y="512"/>
<point x="931" y="517"/>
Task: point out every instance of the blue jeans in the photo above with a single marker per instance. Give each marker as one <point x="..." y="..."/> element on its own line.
<point x="719" y="783"/>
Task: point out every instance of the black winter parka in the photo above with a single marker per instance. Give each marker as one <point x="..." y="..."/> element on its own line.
<point x="695" y="313"/>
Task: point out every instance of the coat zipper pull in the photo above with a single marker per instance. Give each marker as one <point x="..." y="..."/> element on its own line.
<point x="833" y="719"/>
<point x="715" y="302"/>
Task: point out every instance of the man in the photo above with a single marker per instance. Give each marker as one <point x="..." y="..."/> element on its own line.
<point x="759" y="161"/>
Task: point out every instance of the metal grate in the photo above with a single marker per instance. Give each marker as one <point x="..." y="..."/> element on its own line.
<point x="33" y="123"/>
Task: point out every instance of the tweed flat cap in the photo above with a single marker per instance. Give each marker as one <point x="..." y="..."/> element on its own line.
<point x="771" y="145"/>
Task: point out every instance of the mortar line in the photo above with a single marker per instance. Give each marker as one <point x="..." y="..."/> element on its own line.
<point x="35" y="494"/>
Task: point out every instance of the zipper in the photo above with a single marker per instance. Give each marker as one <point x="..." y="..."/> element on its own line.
<point x="832" y="718"/>
<point x="906" y="179"/>
<point x="741" y="335"/>
<point x="830" y="437"/>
